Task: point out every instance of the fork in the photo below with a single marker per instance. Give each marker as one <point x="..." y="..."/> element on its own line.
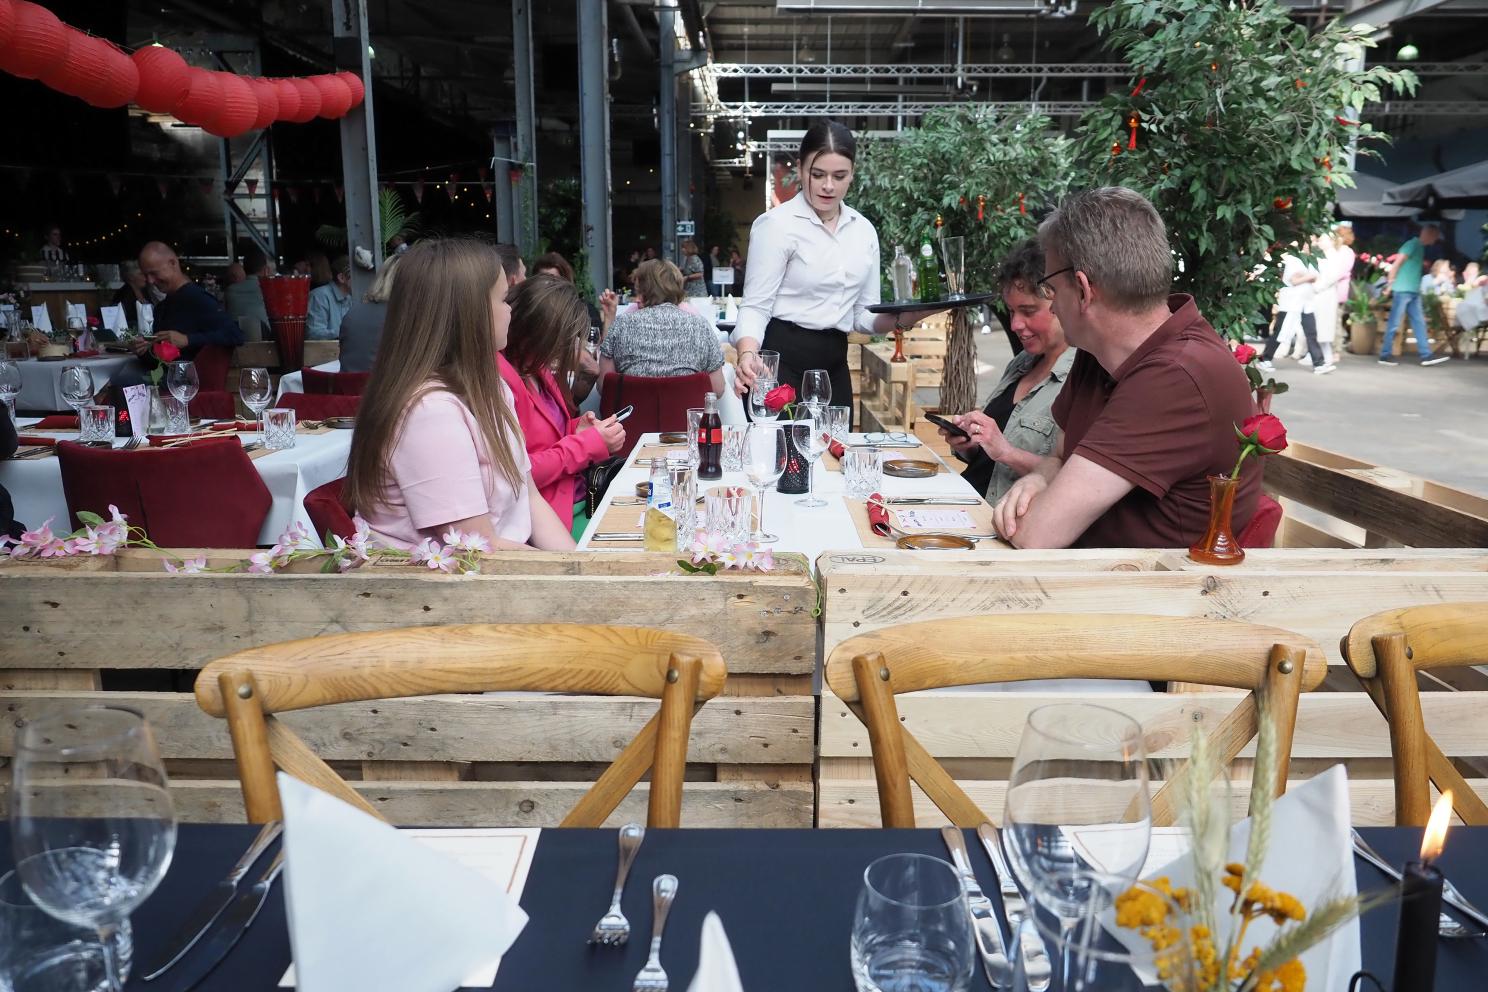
<point x="613" y="929"/>
<point x="1446" y="926"/>
<point x="134" y="442"/>
<point x="653" y="978"/>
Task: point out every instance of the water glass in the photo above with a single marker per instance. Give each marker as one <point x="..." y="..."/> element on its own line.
<point x="733" y="447"/>
<point x="41" y="953"/>
<point x="177" y="416"/>
<point x="953" y="257"/>
<point x="839" y="419"/>
<point x="728" y="509"/>
<point x="684" y="502"/>
<point x="911" y="931"/>
<point x="810" y="438"/>
<point x="758" y="411"/>
<point x="77" y="386"/>
<point x="816" y="387"/>
<point x="694" y="424"/>
<point x="279" y="428"/>
<point x="97" y="424"/>
<point x="862" y="471"/>
<point x="255" y="389"/>
<point x="769" y="365"/>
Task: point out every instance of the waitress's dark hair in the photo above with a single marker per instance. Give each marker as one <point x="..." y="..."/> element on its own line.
<point x="827" y="135"/>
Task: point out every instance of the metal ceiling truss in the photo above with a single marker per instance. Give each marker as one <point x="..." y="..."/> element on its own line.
<point x="788" y="70"/>
<point x="1053" y="108"/>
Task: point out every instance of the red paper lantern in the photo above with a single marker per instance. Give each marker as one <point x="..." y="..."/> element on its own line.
<point x="335" y="96"/>
<point x="268" y="103"/>
<point x="117" y="82"/>
<point x="238" y="109"/>
<point x="37" y="43"/>
<point x="79" y="66"/>
<point x="7" y="22"/>
<point x="203" y="99"/>
<point x="289" y="99"/>
<point x="354" y="84"/>
<point x="309" y="101"/>
<point x="164" y="79"/>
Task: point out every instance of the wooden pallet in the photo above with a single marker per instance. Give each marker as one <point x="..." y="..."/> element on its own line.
<point x="887" y="397"/>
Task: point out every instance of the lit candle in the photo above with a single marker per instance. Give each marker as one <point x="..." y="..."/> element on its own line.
<point x="1420" y="907"/>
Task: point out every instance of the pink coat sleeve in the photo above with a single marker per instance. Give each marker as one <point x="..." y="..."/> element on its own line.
<point x="569" y="455"/>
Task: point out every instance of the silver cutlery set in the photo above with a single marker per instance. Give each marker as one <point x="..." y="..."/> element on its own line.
<point x="613" y="929"/>
<point x="985" y="926"/>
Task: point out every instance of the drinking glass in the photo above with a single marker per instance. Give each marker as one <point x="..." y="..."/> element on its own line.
<point x="758" y="412"/>
<point x="1100" y="955"/>
<point x="839" y="418"/>
<point x="728" y="512"/>
<point x="953" y="256"/>
<point x="862" y="471"/>
<point x="769" y="365"/>
<point x="694" y="424"/>
<point x="764" y="462"/>
<point x="77" y="387"/>
<point x="810" y="437"/>
<point x="816" y="388"/>
<point x="911" y="931"/>
<point x="1077" y="799"/>
<point x="591" y="343"/>
<point x="181" y="380"/>
<point x="97" y="425"/>
<point x="254" y="388"/>
<point x="92" y="824"/>
<point x="279" y="428"/>
<point x="733" y="447"/>
<point x="683" y="480"/>
<point x="10" y="385"/>
<point x="41" y="953"/>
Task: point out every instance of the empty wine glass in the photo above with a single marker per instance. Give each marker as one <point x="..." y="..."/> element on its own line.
<point x="758" y="411"/>
<point x="254" y="388"/>
<point x="816" y="387"/>
<point x="810" y="437"/>
<point x="764" y="462"/>
<point x="10" y="386"/>
<point x="92" y="824"/>
<point x="77" y="387"/>
<point x="180" y="378"/>
<point x="591" y="343"/>
<point x="1077" y="799"/>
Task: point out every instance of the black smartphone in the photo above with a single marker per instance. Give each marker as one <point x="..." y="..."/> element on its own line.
<point x="945" y="424"/>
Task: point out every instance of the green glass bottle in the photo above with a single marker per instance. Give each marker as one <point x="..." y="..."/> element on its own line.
<point x="929" y="274"/>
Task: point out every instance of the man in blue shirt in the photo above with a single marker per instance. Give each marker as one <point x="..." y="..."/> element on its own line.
<point x="189" y="317"/>
<point x="1405" y="287"/>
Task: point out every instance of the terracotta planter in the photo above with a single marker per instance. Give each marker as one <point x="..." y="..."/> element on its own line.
<point x="1218" y="546"/>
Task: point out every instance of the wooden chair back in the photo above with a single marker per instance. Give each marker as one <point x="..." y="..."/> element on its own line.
<point x="248" y="688"/>
<point x="1385" y="651"/>
<point x="867" y="671"/>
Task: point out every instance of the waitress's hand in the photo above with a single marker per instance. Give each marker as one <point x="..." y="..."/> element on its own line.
<point x="746" y="371"/>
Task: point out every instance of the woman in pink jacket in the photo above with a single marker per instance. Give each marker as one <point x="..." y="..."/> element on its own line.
<point x="548" y="324"/>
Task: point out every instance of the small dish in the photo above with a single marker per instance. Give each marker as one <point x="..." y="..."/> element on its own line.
<point x="340" y="423"/>
<point x="910" y="468"/>
<point x="643" y="490"/>
<point x="934" y="542"/>
<point x="673" y="437"/>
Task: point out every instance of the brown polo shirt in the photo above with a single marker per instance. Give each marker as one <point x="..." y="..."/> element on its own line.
<point x="1163" y="421"/>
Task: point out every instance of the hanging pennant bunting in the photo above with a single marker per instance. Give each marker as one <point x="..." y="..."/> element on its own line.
<point x="252" y="185"/>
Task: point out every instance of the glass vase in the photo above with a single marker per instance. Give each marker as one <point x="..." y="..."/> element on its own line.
<point x="797" y="475"/>
<point x="1218" y="546"/>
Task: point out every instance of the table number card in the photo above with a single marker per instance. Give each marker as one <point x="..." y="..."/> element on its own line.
<point x="78" y="310"/>
<point x="41" y="319"/>
<point x="113" y="318"/>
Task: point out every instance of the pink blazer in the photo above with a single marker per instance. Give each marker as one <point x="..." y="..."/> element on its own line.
<point x="558" y="453"/>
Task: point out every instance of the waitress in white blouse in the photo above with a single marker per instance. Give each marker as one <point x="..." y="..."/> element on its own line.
<point x="812" y="273"/>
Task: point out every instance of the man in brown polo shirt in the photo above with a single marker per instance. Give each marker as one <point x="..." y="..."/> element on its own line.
<point x="1151" y="403"/>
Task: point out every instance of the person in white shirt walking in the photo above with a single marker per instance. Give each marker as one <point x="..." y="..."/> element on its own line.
<point x="1294" y="305"/>
<point x="812" y="273"/>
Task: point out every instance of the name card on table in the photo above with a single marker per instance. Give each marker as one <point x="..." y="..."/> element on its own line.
<point x="78" y="310"/>
<point x="137" y="399"/>
<point x="41" y="319"/>
<point x="113" y="319"/>
<point x="146" y="313"/>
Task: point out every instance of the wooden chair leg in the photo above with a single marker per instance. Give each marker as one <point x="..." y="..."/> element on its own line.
<point x="1282" y="689"/>
<point x="1397" y="677"/>
<point x="664" y="808"/>
<point x="879" y="714"/>
<point x="250" y="738"/>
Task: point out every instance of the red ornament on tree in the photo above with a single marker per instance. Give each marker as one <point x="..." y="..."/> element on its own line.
<point x="1131" y="122"/>
<point x="981" y="206"/>
<point x="164" y="78"/>
<point x="1282" y="203"/>
<point x="1022" y="207"/>
<point x="38" y="41"/>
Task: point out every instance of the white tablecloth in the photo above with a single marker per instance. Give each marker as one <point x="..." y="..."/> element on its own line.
<point x="35" y="484"/>
<point x="294" y="382"/>
<point x="41" y="382"/>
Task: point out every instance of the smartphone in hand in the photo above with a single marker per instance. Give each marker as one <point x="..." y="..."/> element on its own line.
<point x="624" y="412"/>
<point x="947" y="426"/>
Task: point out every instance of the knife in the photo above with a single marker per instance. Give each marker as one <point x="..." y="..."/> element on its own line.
<point x="983" y="922"/>
<point x="230" y="926"/>
<point x="1450" y="895"/>
<point x="212" y="905"/>
<point x="1032" y="951"/>
<point x="623" y="536"/>
<point x="933" y="500"/>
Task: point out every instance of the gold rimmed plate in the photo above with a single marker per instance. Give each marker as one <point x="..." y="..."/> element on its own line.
<point x="673" y="437"/>
<point x="934" y="542"/>
<point x="909" y="468"/>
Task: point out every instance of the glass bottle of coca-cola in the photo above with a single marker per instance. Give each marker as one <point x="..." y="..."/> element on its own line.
<point x="710" y="440"/>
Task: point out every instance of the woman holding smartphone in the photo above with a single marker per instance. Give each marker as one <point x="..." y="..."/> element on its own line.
<point x="812" y="273"/>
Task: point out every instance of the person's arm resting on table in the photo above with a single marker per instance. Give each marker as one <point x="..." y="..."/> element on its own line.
<point x="1078" y="494"/>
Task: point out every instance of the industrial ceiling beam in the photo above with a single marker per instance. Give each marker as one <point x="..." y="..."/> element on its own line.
<point x="1064" y="108"/>
<point x="841" y="70"/>
<point x="1383" y="13"/>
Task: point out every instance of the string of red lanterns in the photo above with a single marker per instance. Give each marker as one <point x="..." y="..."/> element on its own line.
<point x="34" y="44"/>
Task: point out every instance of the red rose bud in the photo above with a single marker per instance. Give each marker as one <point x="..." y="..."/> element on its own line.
<point x="1245" y="354"/>
<point x="777" y="398"/>
<point x="166" y="352"/>
<point x="94" y="322"/>
<point x="1265" y="430"/>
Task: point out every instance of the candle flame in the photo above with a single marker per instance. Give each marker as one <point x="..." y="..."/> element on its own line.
<point x="1436" y="828"/>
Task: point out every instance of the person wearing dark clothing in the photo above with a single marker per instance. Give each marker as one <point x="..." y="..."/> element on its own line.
<point x="361" y="328"/>
<point x="189" y="317"/>
<point x="9" y="526"/>
<point x="130" y="295"/>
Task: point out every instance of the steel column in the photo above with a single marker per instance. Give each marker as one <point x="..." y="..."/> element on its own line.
<point x="666" y="126"/>
<point x="504" y="193"/>
<point x="358" y="143"/>
<point x="594" y="124"/>
<point x="524" y="144"/>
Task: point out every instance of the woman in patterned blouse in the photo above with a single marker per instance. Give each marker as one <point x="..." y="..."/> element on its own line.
<point x="659" y="339"/>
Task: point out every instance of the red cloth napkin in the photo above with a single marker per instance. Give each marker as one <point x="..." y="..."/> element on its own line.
<point x="234" y="425"/>
<point x="90" y="353"/>
<point x="61" y="421"/>
<point x="836" y="449"/>
<point x="878" y="516"/>
<point x="37" y="441"/>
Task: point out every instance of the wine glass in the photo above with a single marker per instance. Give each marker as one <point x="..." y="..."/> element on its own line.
<point x="92" y="824"/>
<point x="10" y="386"/>
<point x="180" y="378"/>
<point x="758" y="411"/>
<point x="1077" y="799"/>
<point x="764" y="462"/>
<point x="77" y="388"/>
<point x="810" y="436"/>
<point x="592" y="341"/>
<point x="816" y="388"/>
<point x="254" y="388"/>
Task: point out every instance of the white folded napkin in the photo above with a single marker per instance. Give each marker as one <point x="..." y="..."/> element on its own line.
<point x="716" y="970"/>
<point x="41" y="319"/>
<point x="370" y="909"/>
<point x="146" y="314"/>
<point x="113" y="318"/>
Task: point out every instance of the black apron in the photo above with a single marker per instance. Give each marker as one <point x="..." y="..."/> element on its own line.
<point x="802" y="349"/>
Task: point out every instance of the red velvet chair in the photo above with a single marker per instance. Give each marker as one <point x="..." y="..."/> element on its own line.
<point x="318" y="406"/>
<point x="335" y="383"/>
<point x="212" y="361"/>
<point x="201" y="495"/>
<point x="661" y="404"/>
<point x="1264" y="523"/>
<point x="216" y="404"/>
<point x="327" y="513"/>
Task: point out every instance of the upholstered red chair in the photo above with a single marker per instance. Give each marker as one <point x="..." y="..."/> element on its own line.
<point x="318" y="406"/>
<point x="326" y="511"/>
<point x="212" y="361"/>
<point x="1261" y="531"/>
<point x="216" y="404"/>
<point x="335" y="383"/>
<point x="661" y="404"/>
<point x="201" y="495"/>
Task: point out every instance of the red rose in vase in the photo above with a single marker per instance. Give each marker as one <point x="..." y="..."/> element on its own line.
<point x="779" y="398"/>
<point x="1263" y="432"/>
<point x="164" y="351"/>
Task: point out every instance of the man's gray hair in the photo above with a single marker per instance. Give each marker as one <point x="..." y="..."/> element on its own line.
<point x="1114" y="236"/>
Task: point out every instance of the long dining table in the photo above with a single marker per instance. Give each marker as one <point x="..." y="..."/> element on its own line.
<point x="785" y="898"/>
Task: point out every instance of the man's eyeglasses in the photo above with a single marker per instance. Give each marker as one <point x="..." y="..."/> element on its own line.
<point x="1051" y="275"/>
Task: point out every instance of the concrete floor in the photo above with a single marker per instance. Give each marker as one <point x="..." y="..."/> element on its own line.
<point x="1430" y="422"/>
